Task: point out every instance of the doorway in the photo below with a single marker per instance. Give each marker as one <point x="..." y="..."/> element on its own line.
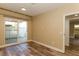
<point x="72" y="32"/>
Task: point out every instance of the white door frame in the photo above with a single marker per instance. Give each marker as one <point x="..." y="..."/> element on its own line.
<point x="64" y="18"/>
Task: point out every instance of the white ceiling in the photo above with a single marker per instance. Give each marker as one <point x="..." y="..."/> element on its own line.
<point x="32" y="9"/>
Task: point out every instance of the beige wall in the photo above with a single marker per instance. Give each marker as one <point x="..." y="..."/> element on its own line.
<point x="48" y="27"/>
<point x="29" y="30"/>
<point x="11" y="14"/>
<point x="2" y="37"/>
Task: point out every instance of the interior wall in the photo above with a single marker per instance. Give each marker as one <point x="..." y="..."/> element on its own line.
<point x="48" y="28"/>
<point x="71" y="30"/>
<point x="74" y="32"/>
<point x="29" y="30"/>
<point x="2" y="37"/>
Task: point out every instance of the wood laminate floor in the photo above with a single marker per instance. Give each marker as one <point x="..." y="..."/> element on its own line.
<point x="33" y="49"/>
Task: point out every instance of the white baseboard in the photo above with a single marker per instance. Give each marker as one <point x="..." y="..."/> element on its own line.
<point x="29" y="40"/>
<point x="48" y="46"/>
<point x="35" y="42"/>
<point x="6" y="45"/>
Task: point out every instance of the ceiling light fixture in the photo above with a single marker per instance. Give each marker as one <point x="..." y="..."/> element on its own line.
<point x="76" y="15"/>
<point x="23" y="9"/>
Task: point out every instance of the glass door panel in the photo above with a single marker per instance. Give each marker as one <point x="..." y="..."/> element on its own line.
<point x="10" y="32"/>
<point x="22" y="31"/>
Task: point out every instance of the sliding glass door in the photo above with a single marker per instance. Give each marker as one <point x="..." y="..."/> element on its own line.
<point x="10" y="32"/>
<point x="15" y="31"/>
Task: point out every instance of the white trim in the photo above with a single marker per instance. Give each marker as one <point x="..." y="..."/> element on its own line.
<point x="29" y="40"/>
<point x="64" y="29"/>
<point x="51" y="47"/>
<point x="2" y="46"/>
<point x="64" y="33"/>
<point x="72" y="13"/>
<point x="66" y="23"/>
